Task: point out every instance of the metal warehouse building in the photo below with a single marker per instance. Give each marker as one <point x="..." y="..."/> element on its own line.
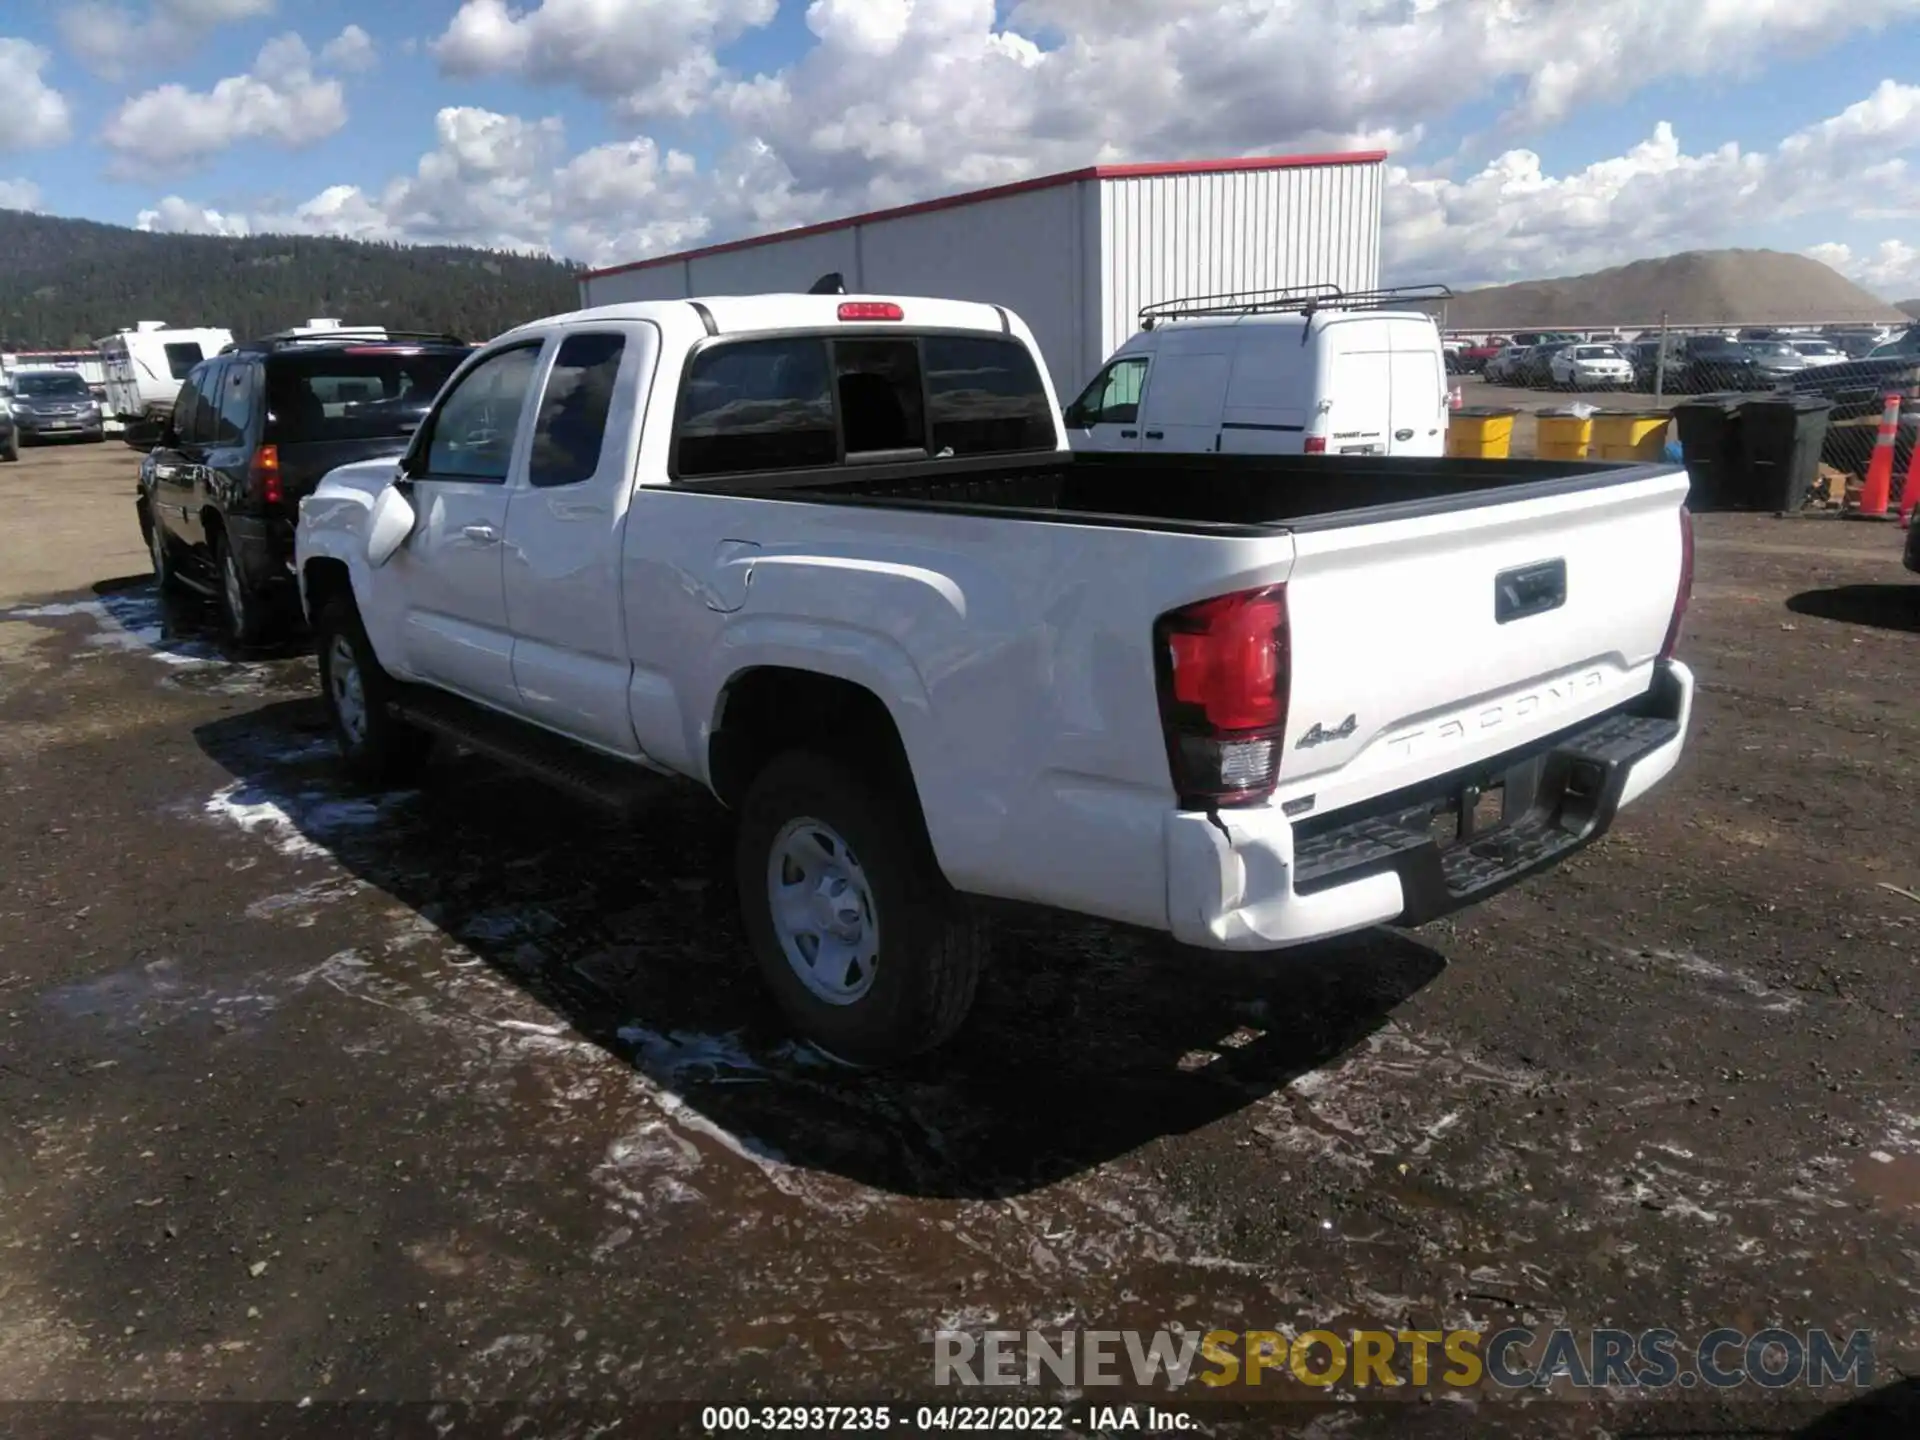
<point x="1076" y="255"/>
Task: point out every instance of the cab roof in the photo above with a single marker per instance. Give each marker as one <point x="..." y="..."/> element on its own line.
<point x="739" y="314"/>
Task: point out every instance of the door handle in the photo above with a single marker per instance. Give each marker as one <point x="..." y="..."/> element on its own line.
<point x="1129" y="434"/>
<point x="480" y="534"/>
<point x="1156" y="434"/>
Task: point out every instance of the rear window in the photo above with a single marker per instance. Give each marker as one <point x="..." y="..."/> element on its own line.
<point x="356" y="393"/>
<point x="809" y="401"/>
<point x="182" y="356"/>
<point x="1596" y="352"/>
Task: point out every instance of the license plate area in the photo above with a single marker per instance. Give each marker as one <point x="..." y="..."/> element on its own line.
<point x="1363" y="450"/>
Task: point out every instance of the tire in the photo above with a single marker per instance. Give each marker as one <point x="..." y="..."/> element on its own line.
<point x="378" y="748"/>
<point x="161" y="555"/>
<point x="244" y="617"/>
<point x="914" y="986"/>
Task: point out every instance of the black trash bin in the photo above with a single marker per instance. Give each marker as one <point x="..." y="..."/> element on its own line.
<point x="1780" y="441"/>
<point x="1709" y="427"/>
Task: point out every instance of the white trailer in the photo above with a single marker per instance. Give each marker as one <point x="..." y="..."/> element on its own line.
<point x="143" y="367"/>
<point x="1076" y="255"/>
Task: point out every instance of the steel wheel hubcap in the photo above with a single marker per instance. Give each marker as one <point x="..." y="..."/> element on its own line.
<point x="349" y="695"/>
<point x="236" y="596"/>
<point x="823" y="911"/>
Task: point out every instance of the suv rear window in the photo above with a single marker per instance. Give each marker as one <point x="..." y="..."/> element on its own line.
<point x="354" y="393"/>
<point x="803" y="402"/>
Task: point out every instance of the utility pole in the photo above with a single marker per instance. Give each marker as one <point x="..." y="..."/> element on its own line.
<point x="1660" y="361"/>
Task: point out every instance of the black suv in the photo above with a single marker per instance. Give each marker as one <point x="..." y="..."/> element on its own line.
<point x="253" y="430"/>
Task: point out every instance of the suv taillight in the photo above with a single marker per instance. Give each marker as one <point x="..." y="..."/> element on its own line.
<point x="264" y="471"/>
<point x="1684" y="592"/>
<point x="1223" y="672"/>
<point x="1315" y="445"/>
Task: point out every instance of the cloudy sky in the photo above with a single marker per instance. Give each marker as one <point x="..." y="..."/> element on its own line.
<point x="1529" y="137"/>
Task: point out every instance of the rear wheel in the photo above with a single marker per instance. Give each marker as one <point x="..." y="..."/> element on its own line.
<point x="243" y="610"/>
<point x="376" y="746"/>
<point x="867" y="949"/>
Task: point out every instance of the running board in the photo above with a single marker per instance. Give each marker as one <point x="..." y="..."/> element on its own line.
<point x="621" y="786"/>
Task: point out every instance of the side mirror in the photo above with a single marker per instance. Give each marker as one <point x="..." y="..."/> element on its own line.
<point x="1075" y="417"/>
<point x="390" y="524"/>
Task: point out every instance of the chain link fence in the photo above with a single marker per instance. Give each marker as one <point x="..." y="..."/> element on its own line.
<point x="1836" y="375"/>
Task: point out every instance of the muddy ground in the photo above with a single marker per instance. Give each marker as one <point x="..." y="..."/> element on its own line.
<point x="464" y="1094"/>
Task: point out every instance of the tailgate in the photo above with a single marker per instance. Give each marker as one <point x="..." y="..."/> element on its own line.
<point x="1423" y="645"/>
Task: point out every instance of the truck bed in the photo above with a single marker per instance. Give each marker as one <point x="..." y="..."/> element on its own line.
<point x="1221" y="494"/>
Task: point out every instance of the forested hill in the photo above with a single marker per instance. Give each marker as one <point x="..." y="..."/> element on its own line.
<point x="66" y="282"/>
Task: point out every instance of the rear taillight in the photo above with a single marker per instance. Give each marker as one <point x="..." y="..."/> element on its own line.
<point x="1684" y="592"/>
<point x="1316" y="445"/>
<point x="871" y="310"/>
<point x="264" y="471"/>
<point x="1223" y="675"/>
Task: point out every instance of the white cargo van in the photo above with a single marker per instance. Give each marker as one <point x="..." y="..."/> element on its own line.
<point x="1273" y="373"/>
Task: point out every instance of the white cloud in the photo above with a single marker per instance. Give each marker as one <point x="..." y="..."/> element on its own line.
<point x="19" y="195"/>
<point x="1890" y="269"/>
<point x="351" y="50"/>
<point x="32" y="112"/>
<point x="1511" y="220"/>
<point x="280" y="101"/>
<point x="651" y="57"/>
<point x="114" y="39"/>
<point x="182" y="217"/>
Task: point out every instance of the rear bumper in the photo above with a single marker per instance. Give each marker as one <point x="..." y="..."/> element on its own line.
<point x="1254" y="880"/>
<point x="264" y="548"/>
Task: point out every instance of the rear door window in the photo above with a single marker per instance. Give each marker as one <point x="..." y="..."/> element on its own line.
<point x="757" y="405"/>
<point x="235" y="404"/>
<point x="186" y="404"/>
<point x="205" y="419"/>
<point x="357" y="392"/>
<point x="572" y="428"/>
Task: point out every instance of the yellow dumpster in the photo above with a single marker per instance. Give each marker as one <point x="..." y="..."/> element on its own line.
<point x="1629" y="434"/>
<point x="1480" y="432"/>
<point x="1562" y="435"/>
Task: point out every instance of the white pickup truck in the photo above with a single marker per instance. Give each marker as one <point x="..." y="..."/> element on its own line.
<point x="831" y="558"/>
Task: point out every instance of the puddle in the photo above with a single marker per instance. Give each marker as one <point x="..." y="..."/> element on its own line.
<point x="151" y="994"/>
<point x="1890" y="1183"/>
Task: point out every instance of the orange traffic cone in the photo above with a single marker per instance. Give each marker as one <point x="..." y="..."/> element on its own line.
<point x="1910" y="491"/>
<point x="1879" y="484"/>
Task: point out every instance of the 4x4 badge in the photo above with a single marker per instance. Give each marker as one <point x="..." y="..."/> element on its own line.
<point x="1320" y="735"/>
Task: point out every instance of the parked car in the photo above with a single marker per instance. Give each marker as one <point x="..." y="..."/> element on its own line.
<point x="1504" y="367"/>
<point x="54" y="405"/>
<point x="1819" y="352"/>
<point x="1590" y="367"/>
<point x="1535" y="368"/>
<point x="1775" y="361"/>
<point x="1473" y="359"/>
<point x="1697" y="364"/>
<point x="1270" y="382"/>
<point x="1546" y="337"/>
<point x="1858" y="387"/>
<point x="1857" y="344"/>
<point x="252" y="431"/>
<point x="1184" y="692"/>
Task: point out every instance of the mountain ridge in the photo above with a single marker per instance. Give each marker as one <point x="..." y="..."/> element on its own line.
<point x="1695" y="287"/>
<point x="65" y="282"/>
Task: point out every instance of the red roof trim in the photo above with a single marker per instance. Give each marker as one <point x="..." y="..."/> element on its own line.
<point x="998" y="192"/>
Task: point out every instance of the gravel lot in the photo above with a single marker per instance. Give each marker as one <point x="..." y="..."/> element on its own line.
<point x="462" y="1094"/>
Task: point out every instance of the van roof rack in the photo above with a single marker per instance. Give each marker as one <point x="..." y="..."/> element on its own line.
<point x="1295" y="299"/>
<point x="343" y="335"/>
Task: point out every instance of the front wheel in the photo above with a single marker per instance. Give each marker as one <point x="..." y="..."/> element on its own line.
<point x="376" y="746"/>
<point x="864" y="945"/>
<point x="164" y="580"/>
